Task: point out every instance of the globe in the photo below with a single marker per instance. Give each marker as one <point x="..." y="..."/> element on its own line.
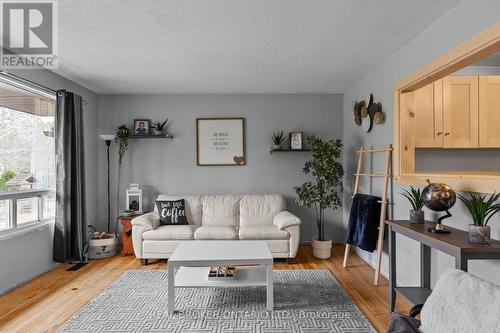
<point x="438" y="197"/>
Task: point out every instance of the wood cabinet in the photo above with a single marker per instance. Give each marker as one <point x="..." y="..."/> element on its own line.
<point x="428" y="112"/>
<point x="460" y="112"/>
<point x="489" y="111"/>
<point x="448" y="114"/>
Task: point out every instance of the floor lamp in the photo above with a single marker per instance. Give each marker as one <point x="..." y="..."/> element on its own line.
<point x="108" y="138"/>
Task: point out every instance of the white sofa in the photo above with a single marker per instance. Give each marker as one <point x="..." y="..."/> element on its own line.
<point x="220" y="217"/>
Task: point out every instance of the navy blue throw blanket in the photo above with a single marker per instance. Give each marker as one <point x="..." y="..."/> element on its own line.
<point x="362" y="231"/>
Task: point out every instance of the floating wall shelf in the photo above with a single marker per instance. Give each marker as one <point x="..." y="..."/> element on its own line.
<point x="288" y="150"/>
<point x="168" y="136"/>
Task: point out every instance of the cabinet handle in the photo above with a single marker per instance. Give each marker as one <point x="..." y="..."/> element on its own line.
<point x="439" y="133"/>
<point x="446" y="134"/>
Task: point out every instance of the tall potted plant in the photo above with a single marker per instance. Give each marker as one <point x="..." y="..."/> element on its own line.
<point x="481" y="208"/>
<point x="324" y="191"/>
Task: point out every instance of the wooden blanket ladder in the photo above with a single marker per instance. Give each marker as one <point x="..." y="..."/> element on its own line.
<point x="383" y="210"/>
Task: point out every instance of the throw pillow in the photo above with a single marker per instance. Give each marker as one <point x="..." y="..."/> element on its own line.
<point x="172" y="212"/>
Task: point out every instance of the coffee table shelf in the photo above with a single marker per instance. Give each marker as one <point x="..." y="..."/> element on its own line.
<point x="196" y="277"/>
<point x="190" y="263"/>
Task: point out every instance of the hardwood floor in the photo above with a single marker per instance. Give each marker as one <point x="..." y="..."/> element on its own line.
<point x="48" y="301"/>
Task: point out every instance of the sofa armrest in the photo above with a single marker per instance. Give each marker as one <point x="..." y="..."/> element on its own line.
<point x="137" y="231"/>
<point x="285" y="219"/>
<point x="148" y="221"/>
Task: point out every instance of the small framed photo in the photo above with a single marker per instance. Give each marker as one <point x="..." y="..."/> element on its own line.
<point x="141" y="127"/>
<point x="296" y="141"/>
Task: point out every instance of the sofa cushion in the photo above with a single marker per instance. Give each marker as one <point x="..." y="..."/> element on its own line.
<point x="260" y="209"/>
<point x="172" y="212"/>
<point x="170" y="232"/>
<point x="220" y="210"/>
<point x="216" y="232"/>
<point x="263" y="232"/>
<point x="192" y="203"/>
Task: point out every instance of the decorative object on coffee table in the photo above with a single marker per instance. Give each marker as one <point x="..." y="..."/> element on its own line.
<point x="414" y="196"/>
<point x="220" y="141"/>
<point x="278" y="139"/>
<point x="439" y="197"/>
<point x="481" y="208"/>
<point x="326" y="189"/>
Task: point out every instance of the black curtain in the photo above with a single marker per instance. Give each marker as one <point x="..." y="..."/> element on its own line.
<point x="70" y="232"/>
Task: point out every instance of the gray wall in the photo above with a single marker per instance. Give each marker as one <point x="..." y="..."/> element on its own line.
<point x="170" y="166"/>
<point x="26" y="255"/>
<point x="459" y="24"/>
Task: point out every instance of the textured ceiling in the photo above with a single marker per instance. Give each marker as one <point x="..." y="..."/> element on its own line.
<point x="233" y="46"/>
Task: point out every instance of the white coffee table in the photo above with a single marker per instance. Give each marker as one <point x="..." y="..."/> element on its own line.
<point x="187" y="266"/>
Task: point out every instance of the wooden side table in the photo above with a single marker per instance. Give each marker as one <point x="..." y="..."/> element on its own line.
<point x="126" y="222"/>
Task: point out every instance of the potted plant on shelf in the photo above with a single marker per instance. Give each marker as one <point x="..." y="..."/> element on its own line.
<point x="122" y="134"/>
<point x="158" y="127"/>
<point x="326" y="188"/>
<point x="414" y="196"/>
<point x="481" y="209"/>
<point x="278" y="139"/>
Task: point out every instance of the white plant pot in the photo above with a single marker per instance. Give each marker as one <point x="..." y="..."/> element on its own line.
<point x="479" y="234"/>
<point x="322" y="249"/>
<point x="276" y="147"/>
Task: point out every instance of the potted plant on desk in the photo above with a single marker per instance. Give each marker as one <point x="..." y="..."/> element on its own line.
<point x="326" y="188"/>
<point x="481" y="209"/>
<point x="414" y="196"/>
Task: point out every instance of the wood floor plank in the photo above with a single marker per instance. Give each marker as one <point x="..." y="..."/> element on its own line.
<point x="49" y="300"/>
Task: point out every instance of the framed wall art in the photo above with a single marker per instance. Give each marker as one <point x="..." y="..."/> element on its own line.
<point x="220" y="141"/>
<point x="141" y="127"/>
<point x="296" y="141"/>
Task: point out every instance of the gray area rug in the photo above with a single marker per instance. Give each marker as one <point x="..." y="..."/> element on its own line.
<point x="304" y="301"/>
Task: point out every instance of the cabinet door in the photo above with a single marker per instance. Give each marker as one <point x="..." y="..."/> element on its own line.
<point x="489" y="111"/>
<point x="460" y="112"/>
<point x="429" y="116"/>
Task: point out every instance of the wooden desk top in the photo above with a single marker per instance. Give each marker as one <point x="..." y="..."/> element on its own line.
<point x="455" y="242"/>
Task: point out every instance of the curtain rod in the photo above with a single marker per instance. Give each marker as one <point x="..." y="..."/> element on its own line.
<point x="31" y="86"/>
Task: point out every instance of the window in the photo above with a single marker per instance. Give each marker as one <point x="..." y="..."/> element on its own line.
<point x="27" y="156"/>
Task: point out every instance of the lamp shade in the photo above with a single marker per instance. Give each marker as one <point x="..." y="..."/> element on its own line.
<point x="107" y="137"/>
